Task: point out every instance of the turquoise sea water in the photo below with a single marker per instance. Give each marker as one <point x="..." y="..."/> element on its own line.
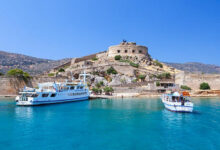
<point x="125" y="124"/>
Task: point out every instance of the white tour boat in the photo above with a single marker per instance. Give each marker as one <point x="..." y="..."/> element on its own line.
<point x="49" y="93"/>
<point x="177" y="102"/>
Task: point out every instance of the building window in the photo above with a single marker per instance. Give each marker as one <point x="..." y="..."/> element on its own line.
<point x="133" y="51"/>
<point x="126" y="51"/>
<point x="118" y="51"/>
<point x="140" y="51"/>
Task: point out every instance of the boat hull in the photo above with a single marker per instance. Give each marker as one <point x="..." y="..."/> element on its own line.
<point x="32" y="103"/>
<point x="178" y="108"/>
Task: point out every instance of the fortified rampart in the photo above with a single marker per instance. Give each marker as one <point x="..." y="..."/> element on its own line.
<point x="194" y="80"/>
<point x="128" y="49"/>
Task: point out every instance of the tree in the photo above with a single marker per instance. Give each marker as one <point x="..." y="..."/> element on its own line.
<point x="18" y="73"/>
<point x="96" y="90"/>
<point x="117" y="57"/>
<point x="111" y="70"/>
<point x="157" y="83"/>
<point x="184" y="87"/>
<point x="204" y="86"/>
<point x="94" y="58"/>
<point x="108" y="90"/>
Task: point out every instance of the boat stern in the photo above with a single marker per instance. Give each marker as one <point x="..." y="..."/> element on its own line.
<point x="24" y="101"/>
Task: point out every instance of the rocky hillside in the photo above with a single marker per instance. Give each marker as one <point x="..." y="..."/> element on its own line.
<point x="35" y="65"/>
<point x="195" y="67"/>
<point x="29" y="64"/>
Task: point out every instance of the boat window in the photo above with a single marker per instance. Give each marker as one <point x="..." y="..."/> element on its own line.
<point x="81" y="87"/>
<point x="53" y="95"/>
<point x="45" y="95"/>
<point x="72" y="88"/>
<point x="34" y="95"/>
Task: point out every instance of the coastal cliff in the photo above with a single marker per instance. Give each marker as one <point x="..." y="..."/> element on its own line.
<point x="10" y="86"/>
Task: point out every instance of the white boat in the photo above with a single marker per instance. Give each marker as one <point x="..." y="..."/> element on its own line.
<point x="51" y="92"/>
<point x="177" y="102"/>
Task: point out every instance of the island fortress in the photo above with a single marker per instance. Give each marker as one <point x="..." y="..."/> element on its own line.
<point x="128" y="49"/>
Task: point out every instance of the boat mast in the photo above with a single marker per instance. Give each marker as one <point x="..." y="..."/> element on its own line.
<point x="84" y="77"/>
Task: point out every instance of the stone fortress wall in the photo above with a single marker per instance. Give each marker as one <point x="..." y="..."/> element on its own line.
<point x="128" y="49"/>
<point x="194" y="80"/>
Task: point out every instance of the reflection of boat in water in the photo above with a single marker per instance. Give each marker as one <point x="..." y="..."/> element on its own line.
<point x="177" y="102"/>
<point x="49" y="93"/>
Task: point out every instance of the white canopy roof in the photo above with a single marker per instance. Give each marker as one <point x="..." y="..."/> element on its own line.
<point x="177" y="94"/>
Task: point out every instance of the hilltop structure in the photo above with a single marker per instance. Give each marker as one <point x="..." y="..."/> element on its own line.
<point x="128" y="49"/>
<point x="131" y="64"/>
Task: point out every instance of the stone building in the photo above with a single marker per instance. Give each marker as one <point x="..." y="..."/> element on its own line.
<point x="128" y="49"/>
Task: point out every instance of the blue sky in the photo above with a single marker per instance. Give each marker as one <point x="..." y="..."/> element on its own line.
<point x="173" y="30"/>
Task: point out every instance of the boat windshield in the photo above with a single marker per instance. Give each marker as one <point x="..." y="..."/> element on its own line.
<point x="179" y="99"/>
<point x="29" y="95"/>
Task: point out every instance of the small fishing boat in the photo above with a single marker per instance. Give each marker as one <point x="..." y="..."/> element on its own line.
<point x="52" y="92"/>
<point x="177" y="102"/>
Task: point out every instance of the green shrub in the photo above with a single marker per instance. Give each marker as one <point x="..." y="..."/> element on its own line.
<point x="123" y="80"/>
<point x="94" y="58"/>
<point x="15" y="72"/>
<point x="124" y="60"/>
<point x="157" y="83"/>
<point x="204" y="86"/>
<point x="18" y="73"/>
<point x="61" y="70"/>
<point x="157" y="63"/>
<point x="135" y="80"/>
<point x="101" y="83"/>
<point x="117" y="57"/>
<point x="111" y="70"/>
<point x="98" y="85"/>
<point x="134" y="65"/>
<point x="95" y="73"/>
<point x="1" y="74"/>
<point x="95" y="90"/>
<point x="108" y="89"/>
<point x="166" y="75"/>
<point x="51" y="74"/>
<point x="184" y="87"/>
<point x="142" y="77"/>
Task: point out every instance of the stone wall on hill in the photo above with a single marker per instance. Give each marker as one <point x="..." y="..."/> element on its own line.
<point x="194" y="80"/>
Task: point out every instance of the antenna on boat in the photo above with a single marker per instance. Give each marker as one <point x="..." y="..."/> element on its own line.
<point x="72" y="76"/>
